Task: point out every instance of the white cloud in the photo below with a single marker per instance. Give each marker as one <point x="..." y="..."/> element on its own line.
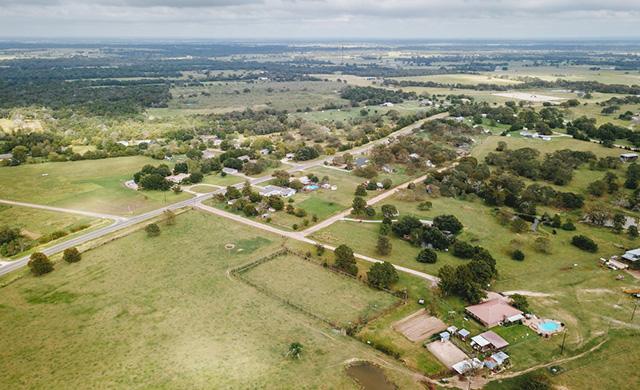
<point x="317" y="18"/>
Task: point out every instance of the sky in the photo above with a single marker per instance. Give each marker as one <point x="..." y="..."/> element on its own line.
<point x="314" y="19"/>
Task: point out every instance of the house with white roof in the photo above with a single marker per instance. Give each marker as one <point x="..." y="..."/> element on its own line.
<point x="277" y="191"/>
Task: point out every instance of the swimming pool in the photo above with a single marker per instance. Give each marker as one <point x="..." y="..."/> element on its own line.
<point x="549" y="326"/>
<point x="312" y="187"/>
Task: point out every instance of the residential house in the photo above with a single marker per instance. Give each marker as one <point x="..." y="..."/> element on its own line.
<point x="177" y="179"/>
<point x="230" y="171"/>
<point x="628" y="157"/>
<point x="632" y="256"/>
<point x="492" y="312"/>
<point x="277" y="191"/>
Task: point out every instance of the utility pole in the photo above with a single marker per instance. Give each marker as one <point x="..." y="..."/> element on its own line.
<point x="564" y="337"/>
<point x="633" y="313"/>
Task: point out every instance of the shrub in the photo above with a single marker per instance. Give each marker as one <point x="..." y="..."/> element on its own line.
<point x="463" y="250"/>
<point x="384" y="245"/>
<point x="584" y="243"/>
<point x="427" y="255"/>
<point x="448" y="223"/>
<point x="71" y="255"/>
<point x="517" y="255"/>
<point x="568" y="226"/>
<point x="39" y="264"/>
<point x="152" y="230"/>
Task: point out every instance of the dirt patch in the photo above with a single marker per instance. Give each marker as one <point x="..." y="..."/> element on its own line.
<point x="634" y="273"/>
<point x="527" y="293"/>
<point x="446" y="352"/>
<point x="419" y="326"/>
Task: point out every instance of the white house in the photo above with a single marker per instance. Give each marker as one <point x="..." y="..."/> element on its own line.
<point x="230" y="171"/>
<point x="278" y="191"/>
<point x="177" y="178"/>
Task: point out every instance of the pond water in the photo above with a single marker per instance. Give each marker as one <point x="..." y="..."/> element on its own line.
<point x="369" y="376"/>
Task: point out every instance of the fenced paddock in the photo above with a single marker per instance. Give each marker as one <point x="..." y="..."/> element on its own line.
<point x="332" y="297"/>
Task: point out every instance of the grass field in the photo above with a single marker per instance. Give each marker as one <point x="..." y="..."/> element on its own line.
<point x="237" y="96"/>
<point x="162" y="313"/>
<point x="307" y="285"/>
<point x="489" y="144"/>
<point x="467" y="79"/>
<point x="91" y="185"/>
<point x="37" y="223"/>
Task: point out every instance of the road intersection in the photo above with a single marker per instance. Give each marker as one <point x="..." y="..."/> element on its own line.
<point x="120" y="222"/>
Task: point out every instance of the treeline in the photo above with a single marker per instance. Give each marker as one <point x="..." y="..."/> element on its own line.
<point x="585" y="129"/>
<point x="503" y="188"/>
<point x="529" y="83"/>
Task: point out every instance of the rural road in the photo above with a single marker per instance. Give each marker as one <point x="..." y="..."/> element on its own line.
<point x="114" y="227"/>
<point x="121" y="222"/>
<point x="299" y="236"/>
<point x="62" y="210"/>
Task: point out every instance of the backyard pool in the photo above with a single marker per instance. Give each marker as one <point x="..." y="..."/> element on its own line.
<point x="549" y="326"/>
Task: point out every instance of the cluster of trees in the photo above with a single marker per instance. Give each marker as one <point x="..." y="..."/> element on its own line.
<point x="375" y="96"/>
<point x="12" y="241"/>
<point x="502" y="188"/>
<point x="584" y="128"/>
<point x="468" y="280"/>
<point x="90" y="98"/>
<point x="556" y="167"/>
<point x="512" y="114"/>
<point x="153" y="178"/>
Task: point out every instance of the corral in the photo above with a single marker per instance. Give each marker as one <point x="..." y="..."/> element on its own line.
<point x="419" y="326"/>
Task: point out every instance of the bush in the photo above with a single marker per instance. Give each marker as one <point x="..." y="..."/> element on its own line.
<point x="463" y="250"/>
<point x="568" y="226"/>
<point x="428" y="256"/>
<point x="384" y="245"/>
<point x="153" y="230"/>
<point x="448" y="223"/>
<point x="71" y="255"/>
<point x="584" y="243"/>
<point x="517" y="255"/>
<point x="520" y="302"/>
<point x="39" y="264"/>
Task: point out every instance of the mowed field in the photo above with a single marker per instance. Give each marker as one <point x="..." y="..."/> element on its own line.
<point x="163" y="313"/>
<point x="90" y="185"/>
<point x="307" y="285"/>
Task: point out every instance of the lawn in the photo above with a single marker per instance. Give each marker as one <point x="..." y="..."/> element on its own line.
<point x="163" y="313"/>
<point x="287" y="276"/>
<point x="224" y="181"/>
<point x="91" y="185"/>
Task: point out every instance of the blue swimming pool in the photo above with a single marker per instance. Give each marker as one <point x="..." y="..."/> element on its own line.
<point x="312" y="187"/>
<point x="549" y="326"/>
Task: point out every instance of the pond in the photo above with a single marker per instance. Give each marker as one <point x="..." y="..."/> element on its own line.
<point x="369" y="376"/>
